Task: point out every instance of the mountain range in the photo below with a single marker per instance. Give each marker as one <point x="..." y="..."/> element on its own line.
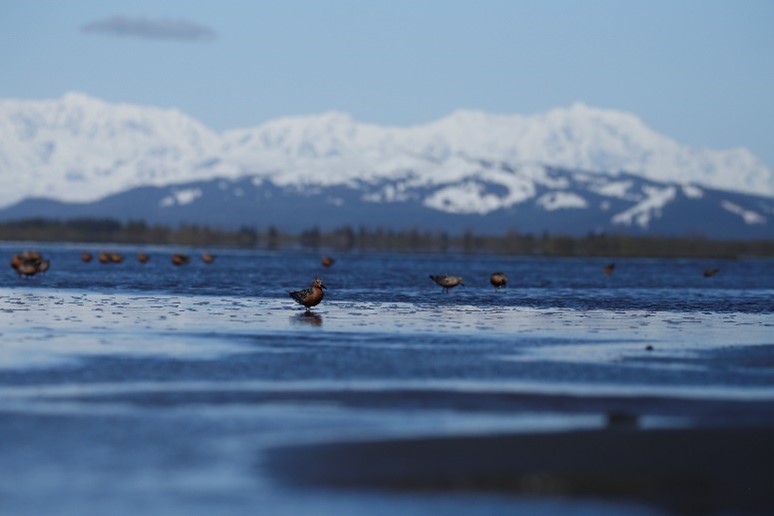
<point x="573" y="170"/>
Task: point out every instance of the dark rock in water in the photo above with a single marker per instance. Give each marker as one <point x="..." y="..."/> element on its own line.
<point x="620" y="419"/>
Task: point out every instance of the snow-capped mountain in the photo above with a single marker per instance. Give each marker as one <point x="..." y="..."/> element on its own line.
<point x="578" y="160"/>
<point x="79" y="148"/>
<point x="333" y="148"/>
<point x="538" y="199"/>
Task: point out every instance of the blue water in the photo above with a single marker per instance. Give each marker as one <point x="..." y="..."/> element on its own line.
<point x="154" y="388"/>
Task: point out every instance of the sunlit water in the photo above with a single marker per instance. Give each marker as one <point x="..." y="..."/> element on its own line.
<point x="154" y="388"/>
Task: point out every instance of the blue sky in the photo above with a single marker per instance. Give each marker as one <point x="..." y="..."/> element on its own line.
<point x="701" y="72"/>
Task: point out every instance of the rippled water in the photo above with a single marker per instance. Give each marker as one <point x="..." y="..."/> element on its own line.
<point x="129" y="387"/>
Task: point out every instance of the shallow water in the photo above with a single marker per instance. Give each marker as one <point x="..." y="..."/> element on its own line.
<point x="129" y="387"/>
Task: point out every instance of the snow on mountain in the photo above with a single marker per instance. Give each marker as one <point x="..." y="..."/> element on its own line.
<point x="644" y="211"/>
<point x="553" y="200"/>
<point x="180" y="197"/>
<point x="78" y="148"/>
<point x="579" y="137"/>
<point x="749" y="216"/>
<point x="561" y="200"/>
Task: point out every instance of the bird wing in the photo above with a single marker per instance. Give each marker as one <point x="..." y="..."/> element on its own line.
<point x="301" y="295"/>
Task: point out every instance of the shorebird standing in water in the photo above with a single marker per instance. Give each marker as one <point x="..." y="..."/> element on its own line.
<point x="608" y="269"/>
<point x="708" y="273"/>
<point x="447" y="281"/>
<point x="327" y="261"/>
<point x="43" y="265"/>
<point x="180" y="259"/>
<point x="26" y="269"/>
<point x="29" y="263"/>
<point x="311" y="296"/>
<point x="498" y="279"/>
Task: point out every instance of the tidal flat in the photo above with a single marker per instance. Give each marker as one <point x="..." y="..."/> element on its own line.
<point x="205" y="389"/>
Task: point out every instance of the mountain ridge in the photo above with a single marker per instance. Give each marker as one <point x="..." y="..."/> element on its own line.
<point x="571" y="170"/>
<point x="558" y="202"/>
<point x="78" y="148"/>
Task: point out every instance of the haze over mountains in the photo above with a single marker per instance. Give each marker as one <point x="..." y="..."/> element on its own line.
<point x="572" y="170"/>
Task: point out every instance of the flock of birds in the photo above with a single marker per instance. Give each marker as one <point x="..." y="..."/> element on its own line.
<point x="29" y="263"/>
<point x="112" y="257"/>
<point x="313" y="295"/>
<point x="497" y="279"/>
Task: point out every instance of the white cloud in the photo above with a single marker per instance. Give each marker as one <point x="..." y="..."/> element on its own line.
<point x="175" y="29"/>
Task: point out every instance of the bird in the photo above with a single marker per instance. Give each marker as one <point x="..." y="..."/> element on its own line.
<point x="327" y="261"/>
<point x="311" y="296"/>
<point x="708" y="273"/>
<point x="43" y="265"/>
<point x="608" y="269"/>
<point x="142" y="257"/>
<point x="180" y="259"/>
<point x="33" y="256"/>
<point x="447" y="281"/>
<point x="498" y="279"/>
<point x="29" y="263"/>
<point x="86" y="257"/>
<point x="16" y="261"/>
<point x="208" y="258"/>
<point x="26" y="269"/>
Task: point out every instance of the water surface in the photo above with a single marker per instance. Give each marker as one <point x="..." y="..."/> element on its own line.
<point x="130" y="387"/>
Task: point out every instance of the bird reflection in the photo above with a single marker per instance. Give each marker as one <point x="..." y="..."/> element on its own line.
<point x="307" y="318"/>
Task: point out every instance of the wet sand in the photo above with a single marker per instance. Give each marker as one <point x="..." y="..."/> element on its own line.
<point x="683" y="470"/>
<point x="208" y="391"/>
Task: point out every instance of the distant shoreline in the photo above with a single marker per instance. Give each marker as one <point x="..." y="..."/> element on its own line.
<point x="362" y="238"/>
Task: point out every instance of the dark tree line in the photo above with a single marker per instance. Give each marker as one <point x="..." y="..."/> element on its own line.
<point x="378" y="239"/>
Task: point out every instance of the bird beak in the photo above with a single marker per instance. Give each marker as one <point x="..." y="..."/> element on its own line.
<point x="323" y="286"/>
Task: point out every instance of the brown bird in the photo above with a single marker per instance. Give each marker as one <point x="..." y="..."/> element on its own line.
<point x="180" y="259"/>
<point x="608" y="269"/>
<point x="327" y="261"/>
<point x="26" y="269"/>
<point x="33" y="256"/>
<point x="103" y="257"/>
<point x="447" y="281"/>
<point x="16" y="261"/>
<point x="311" y="296"/>
<point x="43" y="265"/>
<point x="29" y="263"/>
<point x="116" y="257"/>
<point x="86" y="257"/>
<point x="708" y="273"/>
<point x="208" y="258"/>
<point x="142" y="257"/>
<point x="498" y="279"/>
